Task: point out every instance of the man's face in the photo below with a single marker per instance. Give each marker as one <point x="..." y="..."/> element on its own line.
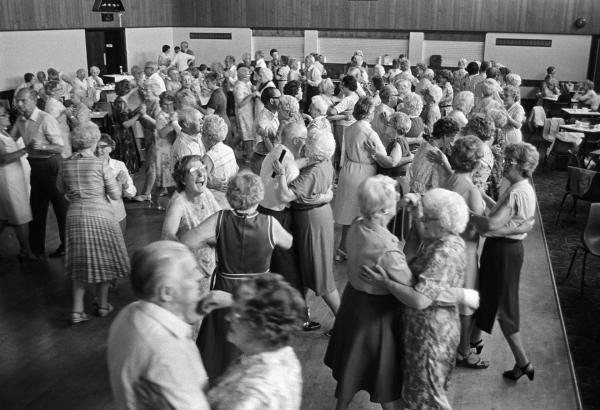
<point x="275" y="55"/>
<point x="186" y="286"/>
<point x="184" y="46"/>
<point x="25" y="104"/>
<point x="41" y="77"/>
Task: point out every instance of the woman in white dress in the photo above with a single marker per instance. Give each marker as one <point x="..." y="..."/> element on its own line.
<point x="357" y="165"/>
<point x="14" y="187"/>
<point x="516" y="115"/>
<point x="56" y="109"/>
<point x="219" y="159"/>
<point x="244" y="109"/>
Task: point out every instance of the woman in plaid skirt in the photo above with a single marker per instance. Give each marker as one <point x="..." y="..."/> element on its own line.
<point x="95" y="248"/>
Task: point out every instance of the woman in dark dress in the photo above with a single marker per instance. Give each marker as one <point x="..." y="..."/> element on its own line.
<point x="244" y="241"/>
<point x="313" y="223"/>
<point x="218" y="101"/>
<point x="125" y="149"/>
<point x="364" y="352"/>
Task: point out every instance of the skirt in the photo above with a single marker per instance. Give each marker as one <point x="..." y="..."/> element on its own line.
<point x="313" y="237"/>
<point x="283" y="261"/>
<point x="499" y="275"/>
<point x="95" y="250"/>
<point x="365" y="349"/>
<point x="430" y="340"/>
<point x="218" y="353"/>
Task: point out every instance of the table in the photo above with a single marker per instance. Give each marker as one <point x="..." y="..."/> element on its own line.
<point x="581" y="113"/>
<point x="591" y="139"/>
<point x="119" y="77"/>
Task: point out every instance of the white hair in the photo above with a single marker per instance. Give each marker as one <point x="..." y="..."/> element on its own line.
<point x="377" y="194"/>
<point x="449" y="207"/>
<point x="319" y="104"/>
<point x="434" y="92"/>
<point x="320" y="145"/>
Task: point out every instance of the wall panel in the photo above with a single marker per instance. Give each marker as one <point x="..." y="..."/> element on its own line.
<point x="532" y="16"/>
<point x="339" y="50"/>
<point x="292" y="47"/>
<point x="451" y="51"/>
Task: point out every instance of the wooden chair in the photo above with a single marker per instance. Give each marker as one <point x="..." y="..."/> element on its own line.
<point x="582" y="184"/>
<point x="590" y="242"/>
<point x="562" y="149"/>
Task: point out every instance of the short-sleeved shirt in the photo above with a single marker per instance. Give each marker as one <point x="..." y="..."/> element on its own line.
<point x="267" y="124"/>
<point x="271" y="199"/>
<point x="40" y="127"/>
<point x="520" y="198"/>
<point x="345" y="106"/>
<point x="186" y="145"/>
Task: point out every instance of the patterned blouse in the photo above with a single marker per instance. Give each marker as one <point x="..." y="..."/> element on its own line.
<point x="438" y="268"/>
<point x="265" y="381"/>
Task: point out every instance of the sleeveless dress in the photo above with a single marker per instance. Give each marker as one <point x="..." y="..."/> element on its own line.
<point x="224" y="168"/>
<point x="193" y="215"/>
<point x="95" y="249"/>
<point x="244" y="247"/>
<point x="14" y="185"/>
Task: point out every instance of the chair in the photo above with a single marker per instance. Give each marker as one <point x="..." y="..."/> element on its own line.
<point x="562" y="149"/>
<point x="582" y="184"/>
<point x="590" y="242"/>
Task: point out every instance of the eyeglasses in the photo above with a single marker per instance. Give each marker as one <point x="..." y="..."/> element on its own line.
<point x="102" y="146"/>
<point x="509" y="163"/>
<point x="195" y="171"/>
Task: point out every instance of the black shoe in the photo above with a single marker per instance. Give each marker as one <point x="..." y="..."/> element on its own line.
<point x="478" y="346"/>
<point x="310" y="326"/>
<point x="517" y="372"/>
<point x="60" y="251"/>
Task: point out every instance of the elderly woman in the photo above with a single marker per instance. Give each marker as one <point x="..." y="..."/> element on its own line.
<point x="262" y="320"/>
<point x="430" y="321"/>
<point x="357" y="165"/>
<point x="312" y="222"/>
<point x="488" y="102"/>
<point x="471" y="80"/>
<point x="318" y="114"/>
<point x="445" y="83"/>
<point x="466" y="152"/>
<point x="505" y="227"/>
<point x="425" y="80"/>
<point x="288" y="111"/>
<point x="327" y="91"/>
<point x="95" y="248"/>
<point x="551" y="86"/>
<point x="219" y="159"/>
<point x="513" y="79"/>
<point x="423" y="174"/>
<point x="380" y="123"/>
<point x="461" y="108"/>
<point x="244" y="240"/>
<point x="57" y="110"/>
<point x="103" y="149"/>
<point x="14" y="187"/>
<point x="412" y="105"/>
<point x="244" y="109"/>
<point x="294" y="74"/>
<point x="459" y="75"/>
<point x="341" y="113"/>
<point x="313" y="78"/>
<point x="218" y="101"/>
<point x="365" y="333"/>
<point x="189" y="207"/>
<point x="124" y="119"/>
<point x="484" y="129"/>
<point x="431" y="110"/>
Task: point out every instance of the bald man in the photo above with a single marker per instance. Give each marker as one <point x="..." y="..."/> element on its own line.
<point x="153" y="77"/>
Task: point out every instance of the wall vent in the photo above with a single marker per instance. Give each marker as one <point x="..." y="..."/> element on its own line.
<point x="210" y="36"/>
<point x="523" y="42"/>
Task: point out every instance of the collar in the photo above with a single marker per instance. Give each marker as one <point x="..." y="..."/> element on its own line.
<point x="193" y="138"/>
<point x="168" y="320"/>
<point x="35" y="115"/>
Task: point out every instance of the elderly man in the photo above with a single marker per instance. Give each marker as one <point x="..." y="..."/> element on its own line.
<point x="152" y="358"/>
<point x="42" y="136"/>
<point x="181" y="59"/>
<point x="152" y="76"/>
<point x="185" y="48"/>
<point x="189" y="141"/>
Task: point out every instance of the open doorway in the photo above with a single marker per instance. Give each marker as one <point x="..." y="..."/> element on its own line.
<point x="106" y="49"/>
<point x="594" y="65"/>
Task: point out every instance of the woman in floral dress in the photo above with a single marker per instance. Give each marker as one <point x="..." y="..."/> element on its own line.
<point x="124" y="120"/>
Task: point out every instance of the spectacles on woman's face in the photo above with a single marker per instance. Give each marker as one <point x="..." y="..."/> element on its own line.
<point x="507" y="164"/>
<point x="195" y="171"/>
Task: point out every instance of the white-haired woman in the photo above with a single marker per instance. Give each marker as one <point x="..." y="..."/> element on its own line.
<point x="431" y="110"/>
<point x="219" y="158"/>
<point x="244" y="241"/>
<point x="56" y="109"/>
<point x="412" y="105"/>
<point x="488" y="102"/>
<point x="516" y="115"/>
<point x="505" y="226"/>
<point x="327" y="91"/>
<point x="357" y="165"/>
<point x="426" y="77"/>
<point x="265" y="80"/>
<point x="383" y="111"/>
<point x="313" y="223"/>
<point x="288" y="111"/>
<point x="461" y="108"/>
<point x="313" y="79"/>
<point x="244" y="109"/>
<point x="430" y="321"/>
<point x="95" y="248"/>
<point x="459" y="75"/>
<point x="318" y="114"/>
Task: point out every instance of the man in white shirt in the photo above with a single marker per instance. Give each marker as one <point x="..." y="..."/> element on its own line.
<point x="152" y="76"/>
<point x="181" y="60"/>
<point x="185" y="48"/>
<point x="189" y="141"/>
<point x="152" y="358"/>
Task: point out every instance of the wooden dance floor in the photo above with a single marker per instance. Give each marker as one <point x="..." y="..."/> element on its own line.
<point x="47" y="364"/>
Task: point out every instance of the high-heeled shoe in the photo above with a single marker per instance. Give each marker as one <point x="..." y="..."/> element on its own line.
<point x="478" y="346"/>
<point x="517" y="372"/>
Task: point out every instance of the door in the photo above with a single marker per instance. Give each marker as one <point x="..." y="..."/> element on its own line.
<point x="106" y="49"/>
<point x="594" y="67"/>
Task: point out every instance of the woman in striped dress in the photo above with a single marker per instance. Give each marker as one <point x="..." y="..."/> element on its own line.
<point x="219" y="158"/>
<point x="95" y="248"/>
<point x="244" y="241"/>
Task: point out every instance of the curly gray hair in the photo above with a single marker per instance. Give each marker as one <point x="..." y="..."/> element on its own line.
<point x="412" y="105"/>
<point x="245" y="190"/>
<point x="448" y="207"/>
<point x="377" y="194"/>
<point x="214" y="129"/>
<point x="320" y="145"/>
<point x="526" y="156"/>
<point x="84" y="136"/>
